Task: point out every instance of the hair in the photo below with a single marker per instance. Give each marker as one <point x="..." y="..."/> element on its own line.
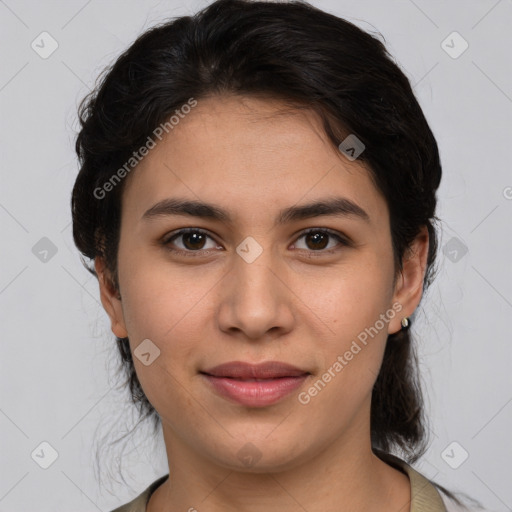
<point x="307" y="58"/>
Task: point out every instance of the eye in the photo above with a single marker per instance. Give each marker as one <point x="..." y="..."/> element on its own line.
<point x="317" y="240"/>
<point x="193" y="241"/>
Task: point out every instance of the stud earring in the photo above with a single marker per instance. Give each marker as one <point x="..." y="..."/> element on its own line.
<point x="406" y="322"/>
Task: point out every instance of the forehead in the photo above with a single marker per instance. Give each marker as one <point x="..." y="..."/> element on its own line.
<point x="248" y="153"/>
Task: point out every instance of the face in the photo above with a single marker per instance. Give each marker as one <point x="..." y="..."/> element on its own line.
<point x="254" y="285"/>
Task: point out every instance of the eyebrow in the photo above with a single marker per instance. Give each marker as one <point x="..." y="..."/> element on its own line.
<point x="335" y="206"/>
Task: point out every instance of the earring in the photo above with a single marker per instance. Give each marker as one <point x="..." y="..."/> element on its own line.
<point x="406" y="322"/>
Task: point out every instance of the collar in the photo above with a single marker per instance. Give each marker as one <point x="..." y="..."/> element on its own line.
<point x="424" y="496"/>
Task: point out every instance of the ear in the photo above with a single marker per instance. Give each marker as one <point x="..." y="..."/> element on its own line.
<point x="409" y="284"/>
<point x="111" y="299"/>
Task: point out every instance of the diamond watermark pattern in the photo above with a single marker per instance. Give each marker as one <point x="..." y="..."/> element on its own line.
<point x="44" y="455"/>
<point x="455" y="250"/>
<point x="147" y="352"/>
<point x="249" y="249"/>
<point x="454" y="45"/>
<point x="454" y="455"/>
<point x="249" y="455"/>
<point x="352" y="147"/>
<point x="44" y="250"/>
<point x="44" y="45"/>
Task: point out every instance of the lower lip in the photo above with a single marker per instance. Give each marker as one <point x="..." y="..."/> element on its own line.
<point x="255" y="394"/>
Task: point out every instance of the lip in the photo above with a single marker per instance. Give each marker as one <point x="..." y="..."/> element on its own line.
<point x="265" y="370"/>
<point x="237" y="382"/>
<point x="255" y="393"/>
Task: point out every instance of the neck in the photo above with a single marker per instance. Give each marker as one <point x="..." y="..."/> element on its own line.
<point x="336" y="477"/>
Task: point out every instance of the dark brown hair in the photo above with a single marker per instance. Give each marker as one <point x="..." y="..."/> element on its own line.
<point x="309" y="59"/>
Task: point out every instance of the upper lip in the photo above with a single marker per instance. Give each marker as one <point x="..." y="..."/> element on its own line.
<point x="266" y="370"/>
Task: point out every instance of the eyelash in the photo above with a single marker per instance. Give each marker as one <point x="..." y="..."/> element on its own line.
<point x="194" y="254"/>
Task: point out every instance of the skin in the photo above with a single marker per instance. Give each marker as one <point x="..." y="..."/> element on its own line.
<point x="202" y="311"/>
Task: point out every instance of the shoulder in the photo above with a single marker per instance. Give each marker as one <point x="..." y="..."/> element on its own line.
<point x="424" y="495"/>
<point x="139" y="503"/>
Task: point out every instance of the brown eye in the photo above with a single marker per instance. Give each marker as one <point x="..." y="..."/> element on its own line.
<point x="321" y="240"/>
<point x="189" y="241"/>
<point x="317" y="240"/>
<point x="193" y="240"/>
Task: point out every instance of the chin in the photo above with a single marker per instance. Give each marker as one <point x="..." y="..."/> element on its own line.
<point x="259" y="454"/>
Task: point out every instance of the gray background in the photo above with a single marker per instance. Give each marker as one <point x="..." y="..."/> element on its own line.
<point x="57" y="358"/>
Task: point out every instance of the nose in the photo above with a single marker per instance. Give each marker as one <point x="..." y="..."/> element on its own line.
<point x="256" y="302"/>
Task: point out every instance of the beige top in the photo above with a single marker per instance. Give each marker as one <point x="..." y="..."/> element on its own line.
<point x="424" y="496"/>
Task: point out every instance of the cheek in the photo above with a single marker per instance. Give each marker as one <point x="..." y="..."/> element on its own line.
<point x="158" y="296"/>
<point x="170" y="313"/>
<point x="171" y="307"/>
<point x="353" y="332"/>
<point x="347" y="299"/>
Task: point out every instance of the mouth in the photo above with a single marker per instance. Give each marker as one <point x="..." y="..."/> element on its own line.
<point x="252" y="385"/>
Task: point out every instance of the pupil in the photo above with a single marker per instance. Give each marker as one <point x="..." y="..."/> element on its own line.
<point x="316" y="238"/>
<point x="196" y="238"/>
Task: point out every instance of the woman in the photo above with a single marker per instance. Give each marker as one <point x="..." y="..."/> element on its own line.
<point x="258" y="191"/>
